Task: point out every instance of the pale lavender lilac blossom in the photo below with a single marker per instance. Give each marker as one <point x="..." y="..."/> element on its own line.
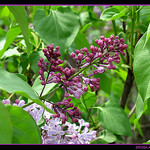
<point x="54" y="131"/>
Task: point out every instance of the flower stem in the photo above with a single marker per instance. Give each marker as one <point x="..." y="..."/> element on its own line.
<point x="89" y="114"/>
<point x="45" y="83"/>
<point x="132" y="37"/>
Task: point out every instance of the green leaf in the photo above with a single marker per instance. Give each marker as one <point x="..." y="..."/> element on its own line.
<point x="141" y="67"/>
<point x="11" y="52"/>
<point x="114" y="119"/>
<point x="10" y="36"/>
<point x="81" y="41"/>
<point x="5" y="126"/>
<point x="139" y="106"/>
<point x="20" y="15"/>
<point x="60" y="27"/>
<point x="147" y="35"/>
<point x="34" y="58"/>
<point x="112" y="13"/>
<point x="25" y="130"/>
<point x="107" y="136"/>
<point x="13" y="83"/>
<point x="106" y="81"/>
<point x="87" y="99"/>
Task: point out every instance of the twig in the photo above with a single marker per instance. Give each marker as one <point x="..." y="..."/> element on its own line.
<point x="132" y="111"/>
<point x="127" y="88"/>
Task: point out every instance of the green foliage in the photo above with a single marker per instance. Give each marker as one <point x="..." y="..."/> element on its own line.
<point x="114" y="119"/>
<point x="141" y="67"/>
<point x="5" y="126"/>
<point x="60" y="27"/>
<point x="25" y="130"/>
<point x="112" y="13"/>
<point x="21" y="17"/>
<point x="12" y="83"/>
<point x="10" y="36"/>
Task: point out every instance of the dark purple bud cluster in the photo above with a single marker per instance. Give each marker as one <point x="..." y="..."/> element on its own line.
<point x="104" y="56"/>
<point x="51" y="65"/>
<point x="61" y="110"/>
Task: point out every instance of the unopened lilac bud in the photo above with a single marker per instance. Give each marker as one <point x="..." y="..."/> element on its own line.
<point x="69" y="99"/>
<point x="70" y="105"/>
<point x="74" y="120"/>
<point x="122" y="41"/>
<point x="111" y="48"/>
<point x="85" y="49"/>
<point x="92" y="48"/>
<point x="117" y="54"/>
<point x="110" y="59"/>
<point x="64" y="78"/>
<point x="57" y="48"/>
<point x="95" y="72"/>
<point x="87" y="59"/>
<point x="91" y="55"/>
<point x="100" y="43"/>
<point x="40" y="72"/>
<point x="66" y="94"/>
<point x="72" y="55"/>
<point x="41" y="59"/>
<point x="39" y="64"/>
<point x="117" y="37"/>
<point x="52" y="46"/>
<point x="118" y="61"/>
<point x="100" y="55"/>
<point x="112" y="37"/>
<point x="77" y="51"/>
<point x="80" y="56"/>
<point x="102" y="37"/>
<point x="72" y="70"/>
<point x="43" y="82"/>
<point x="92" y="87"/>
<point x="17" y="101"/>
<point x="125" y="46"/>
<point x="98" y="79"/>
<point x="44" y="50"/>
<point x="65" y="102"/>
<point x="100" y="69"/>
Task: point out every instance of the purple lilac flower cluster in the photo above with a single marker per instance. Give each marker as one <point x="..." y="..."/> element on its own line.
<point x="107" y="53"/>
<point x="75" y="83"/>
<point x="61" y="108"/>
<point x="54" y="131"/>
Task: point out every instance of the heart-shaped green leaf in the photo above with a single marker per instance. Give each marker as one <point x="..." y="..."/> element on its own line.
<point x="60" y="27"/>
<point x="114" y="119"/>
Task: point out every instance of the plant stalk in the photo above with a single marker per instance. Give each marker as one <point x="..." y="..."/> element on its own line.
<point x="132" y="36"/>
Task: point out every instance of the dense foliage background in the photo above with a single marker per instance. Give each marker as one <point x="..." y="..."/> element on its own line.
<point x="120" y="110"/>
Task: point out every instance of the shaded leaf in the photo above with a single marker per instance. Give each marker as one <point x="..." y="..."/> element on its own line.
<point x="60" y="27"/>
<point x="19" y="13"/>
